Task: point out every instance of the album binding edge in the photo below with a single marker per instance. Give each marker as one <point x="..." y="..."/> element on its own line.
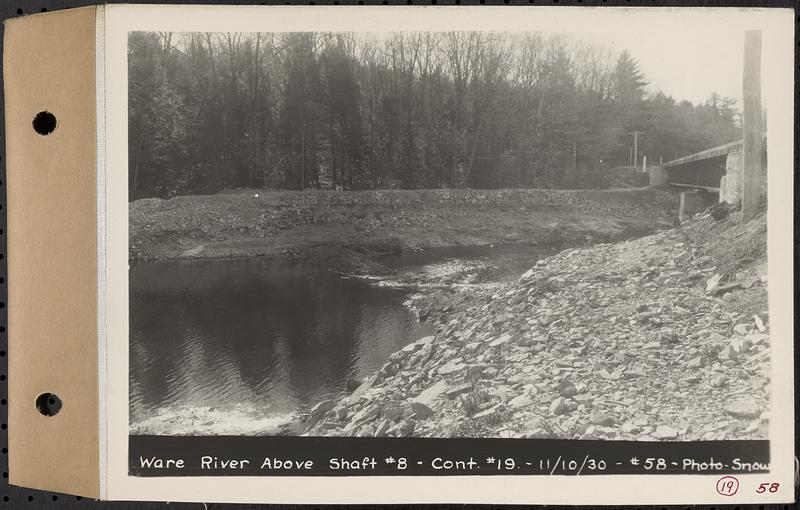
<point x="49" y="65"/>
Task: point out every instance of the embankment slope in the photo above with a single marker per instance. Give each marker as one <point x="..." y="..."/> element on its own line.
<point x="342" y="225"/>
<point x="659" y="338"/>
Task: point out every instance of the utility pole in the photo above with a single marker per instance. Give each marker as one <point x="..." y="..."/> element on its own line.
<point x="753" y="170"/>
<point x="636" y="134"/>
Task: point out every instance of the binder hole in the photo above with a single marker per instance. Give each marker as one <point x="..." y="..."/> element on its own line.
<point x="5" y="474"/>
<point x="30" y="498"/>
<point x="48" y="404"/>
<point x="55" y="498"/>
<point x="2" y="353"/>
<point x="44" y="123"/>
<point x="6" y="498"/>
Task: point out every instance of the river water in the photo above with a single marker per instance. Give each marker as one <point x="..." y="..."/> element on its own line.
<point x="243" y="346"/>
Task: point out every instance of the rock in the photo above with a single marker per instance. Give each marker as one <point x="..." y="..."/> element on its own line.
<point x="759" y="323"/>
<point x="364" y="387"/>
<point x="559" y="406"/>
<point x="727" y="353"/>
<point x="486" y="412"/>
<point x="713" y="282"/>
<point x="695" y="363"/>
<point x="501" y="340"/>
<point x="319" y="410"/>
<point x="583" y="398"/>
<point x="744" y="408"/>
<point x="652" y="345"/>
<point x="566" y="388"/>
<point x="426" y="340"/>
<point x="629" y="428"/>
<point x="740" y="345"/>
<point x="451" y="368"/>
<point x="366" y="414"/>
<point x="431" y="394"/>
<point x="538" y="433"/>
<point x="598" y="417"/>
<point x="421" y="411"/>
<point x="458" y="390"/>
<point x="520" y="401"/>
<point x="490" y="372"/>
<point x="405" y="428"/>
<point x="474" y="372"/>
<point x="719" y="380"/>
<point x="515" y="379"/>
<point x="665" y="432"/>
<point x="741" y="329"/>
<point x="393" y="411"/>
<point x="383" y="427"/>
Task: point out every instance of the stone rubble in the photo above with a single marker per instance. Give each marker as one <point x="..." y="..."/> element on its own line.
<point x="623" y="340"/>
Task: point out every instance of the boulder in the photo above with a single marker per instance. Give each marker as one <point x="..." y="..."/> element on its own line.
<point x="665" y="432"/>
<point x="566" y="388"/>
<point x="383" y="427"/>
<point x="501" y="340"/>
<point x="559" y="406"/>
<point x="744" y="408"/>
<point x="598" y="417"/>
<point x="421" y="410"/>
<point x="319" y="410"/>
<point x="520" y="401"/>
<point x="451" y="368"/>
<point x="727" y="353"/>
<point x="455" y="391"/>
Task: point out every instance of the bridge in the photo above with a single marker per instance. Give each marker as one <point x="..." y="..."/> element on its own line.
<point x="716" y="170"/>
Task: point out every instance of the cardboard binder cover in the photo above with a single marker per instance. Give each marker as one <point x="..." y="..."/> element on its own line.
<point x="49" y="65"/>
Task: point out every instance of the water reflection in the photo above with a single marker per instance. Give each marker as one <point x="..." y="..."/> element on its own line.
<point x="250" y="334"/>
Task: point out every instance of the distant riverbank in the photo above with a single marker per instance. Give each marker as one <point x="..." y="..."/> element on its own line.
<point x="350" y="230"/>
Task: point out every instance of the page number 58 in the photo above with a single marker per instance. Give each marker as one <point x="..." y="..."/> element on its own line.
<point x="768" y="487"/>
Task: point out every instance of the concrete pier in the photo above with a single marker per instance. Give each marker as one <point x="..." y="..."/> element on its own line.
<point x="691" y="204"/>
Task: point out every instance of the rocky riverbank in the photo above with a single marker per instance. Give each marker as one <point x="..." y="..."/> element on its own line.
<point x="349" y="231"/>
<point x="664" y="337"/>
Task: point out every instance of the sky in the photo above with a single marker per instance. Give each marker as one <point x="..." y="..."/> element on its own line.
<point x="687" y="66"/>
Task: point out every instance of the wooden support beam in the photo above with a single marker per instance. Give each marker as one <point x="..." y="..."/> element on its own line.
<point x="752" y="172"/>
<point x="707" y="188"/>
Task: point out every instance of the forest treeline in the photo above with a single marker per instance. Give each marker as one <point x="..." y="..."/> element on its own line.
<point x="211" y="111"/>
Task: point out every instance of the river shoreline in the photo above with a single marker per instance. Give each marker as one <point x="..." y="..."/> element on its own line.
<point x="349" y="231"/>
<point x="580" y="345"/>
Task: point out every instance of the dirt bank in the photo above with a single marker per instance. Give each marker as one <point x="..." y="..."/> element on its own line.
<point x="358" y="226"/>
<point x="659" y="338"/>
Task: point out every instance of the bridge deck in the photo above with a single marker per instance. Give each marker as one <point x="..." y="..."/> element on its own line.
<point x="713" y="152"/>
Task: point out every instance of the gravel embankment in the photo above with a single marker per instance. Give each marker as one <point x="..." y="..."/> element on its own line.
<point x="659" y="338"/>
<point x="344" y="225"/>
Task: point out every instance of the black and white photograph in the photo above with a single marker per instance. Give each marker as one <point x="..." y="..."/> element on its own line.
<point x="449" y="234"/>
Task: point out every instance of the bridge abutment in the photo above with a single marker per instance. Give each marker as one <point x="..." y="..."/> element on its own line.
<point x="730" y="186"/>
<point x="658" y="176"/>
